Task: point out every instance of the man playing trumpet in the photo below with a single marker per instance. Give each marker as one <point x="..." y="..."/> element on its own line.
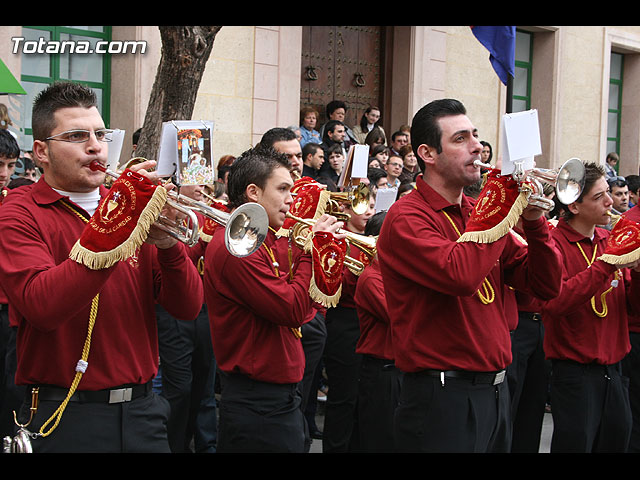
<point x="587" y="328"/>
<point x="87" y="339"/>
<point x="257" y="306"/>
<point x="446" y="299"/>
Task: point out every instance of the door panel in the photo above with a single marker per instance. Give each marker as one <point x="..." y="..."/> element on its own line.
<point x="342" y="63"/>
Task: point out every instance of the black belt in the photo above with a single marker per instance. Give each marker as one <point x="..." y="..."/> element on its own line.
<point x="530" y="315"/>
<point x="491" y="378"/>
<point x="125" y="393"/>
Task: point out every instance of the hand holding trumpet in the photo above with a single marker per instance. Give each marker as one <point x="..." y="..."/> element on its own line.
<point x="158" y="236"/>
<point x="329" y="223"/>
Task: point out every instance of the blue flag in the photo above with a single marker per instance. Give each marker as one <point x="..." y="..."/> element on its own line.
<point x="501" y="43"/>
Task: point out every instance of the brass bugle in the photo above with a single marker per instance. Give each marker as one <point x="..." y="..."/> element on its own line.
<point x="568" y="181"/>
<point x="185" y="231"/>
<point x="365" y="243"/>
<point x="358" y="198"/>
<point x="245" y="228"/>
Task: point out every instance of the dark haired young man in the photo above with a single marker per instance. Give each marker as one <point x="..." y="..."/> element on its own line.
<point x="446" y="299"/>
<point x="587" y="331"/>
<point x="260" y="303"/>
<point x="9" y="153"/>
<point x="54" y="299"/>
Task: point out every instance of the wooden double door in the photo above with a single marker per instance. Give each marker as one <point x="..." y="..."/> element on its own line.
<point x="343" y="63"/>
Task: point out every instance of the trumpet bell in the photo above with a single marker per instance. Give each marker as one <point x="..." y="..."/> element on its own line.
<point x="570" y="181"/>
<point x="357" y="198"/>
<point x="246" y="229"/>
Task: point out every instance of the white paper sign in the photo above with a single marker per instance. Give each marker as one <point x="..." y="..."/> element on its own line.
<point x="115" y="149"/>
<point x="360" y="161"/>
<point x="356" y="165"/>
<point x="520" y="140"/>
<point x="385" y="198"/>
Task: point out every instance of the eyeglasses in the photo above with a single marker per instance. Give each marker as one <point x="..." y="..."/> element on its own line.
<point x="81" y="136"/>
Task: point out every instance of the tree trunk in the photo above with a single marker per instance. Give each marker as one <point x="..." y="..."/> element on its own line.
<point x="185" y="52"/>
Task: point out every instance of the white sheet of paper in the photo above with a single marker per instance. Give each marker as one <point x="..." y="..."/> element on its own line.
<point x="115" y="149"/>
<point x="360" y="161"/>
<point x="520" y="140"/>
<point x="385" y="198"/>
<point x="167" y="150"/>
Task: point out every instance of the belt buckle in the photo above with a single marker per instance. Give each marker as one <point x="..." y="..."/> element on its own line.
<point x="499" y="377"/>
<point x="120" y="395"/>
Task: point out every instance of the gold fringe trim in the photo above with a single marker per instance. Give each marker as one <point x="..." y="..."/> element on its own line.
<point x="322" y="298"/>
<point x="501" y="229"/>
<point x="205" y="237"/>
<point x="282" y="232"/>
<point x="100" y="260"/>
<point x="621" y="259"/>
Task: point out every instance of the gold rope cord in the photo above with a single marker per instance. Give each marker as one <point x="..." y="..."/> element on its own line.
<point x="488" y="294"/>
<point x="85" y="352"/>
<point x="603" y="300"/>
<point x="297" y="332"/>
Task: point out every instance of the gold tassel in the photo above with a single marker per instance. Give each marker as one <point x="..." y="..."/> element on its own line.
<point x="100" y="260"/>
<point x="501" y="229"/>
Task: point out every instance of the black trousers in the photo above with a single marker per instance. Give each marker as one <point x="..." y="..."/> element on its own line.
<point x="378" y="394"/>
<point x="528" y="378"/>
<point x="631" y="369"/>
<point x="590" y="408"/>
<point x="188" y="369"/>
<point x="10" y="394"/>
<point x="138" y="426"/>
<point x="458" y="417"/>
<point x="259" y="417"/>
<point x="314" y="337"/>
<point x="342" y="365"/>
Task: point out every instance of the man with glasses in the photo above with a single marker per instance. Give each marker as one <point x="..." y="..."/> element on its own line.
<point x="619" y="192"/>
<point x="393" y="168"/>
<point x="87" y="338"/>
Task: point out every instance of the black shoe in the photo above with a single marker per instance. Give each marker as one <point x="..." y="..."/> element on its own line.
<point x="317" y="434"/>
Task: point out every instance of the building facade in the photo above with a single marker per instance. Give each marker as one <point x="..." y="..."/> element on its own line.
<point x="582" y="80"/>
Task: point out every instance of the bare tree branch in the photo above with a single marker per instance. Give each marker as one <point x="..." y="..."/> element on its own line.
<point x="185" y="52"/>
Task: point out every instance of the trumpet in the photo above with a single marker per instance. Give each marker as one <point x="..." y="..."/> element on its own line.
<point x="357" y="198"/>
<point x="245" y="228"/>
<point x="568" y="181"/>
<point x="363" y="242"/>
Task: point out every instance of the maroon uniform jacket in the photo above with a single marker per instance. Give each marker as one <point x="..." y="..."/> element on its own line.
<point x="634" y="318"/>
<point x="573" y="331"/>
<point x="431" y="280"/>
<point x="252" y="310"/>
<point x="371" y="305"/>
<point x="51" y="295"/>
